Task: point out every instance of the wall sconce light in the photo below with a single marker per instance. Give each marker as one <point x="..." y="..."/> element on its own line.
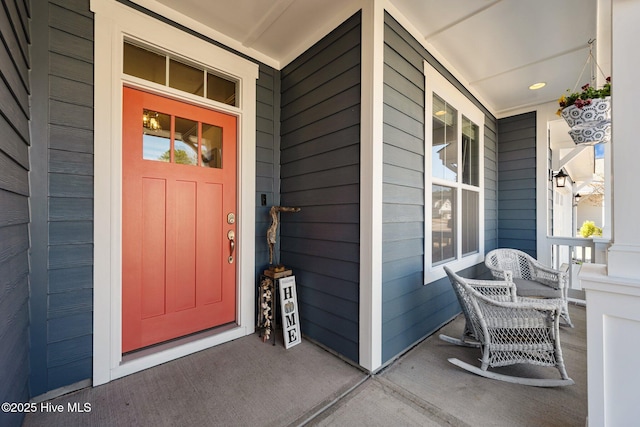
<point x="561" y="179"/>
<point x="576" y="199"/>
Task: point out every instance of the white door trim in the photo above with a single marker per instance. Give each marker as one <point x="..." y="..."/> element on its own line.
<point x="114" y="21"/>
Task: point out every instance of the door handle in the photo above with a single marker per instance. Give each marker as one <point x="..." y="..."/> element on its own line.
<point x="231" y="235"/>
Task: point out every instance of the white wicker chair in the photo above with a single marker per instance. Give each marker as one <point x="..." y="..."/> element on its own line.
<point x="510" y="330"/>
<point x="532" y="278"/>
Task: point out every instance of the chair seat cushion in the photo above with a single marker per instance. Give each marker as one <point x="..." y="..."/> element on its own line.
<point x="530" y="288"/>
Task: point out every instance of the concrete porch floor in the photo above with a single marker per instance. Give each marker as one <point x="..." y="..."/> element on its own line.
<point x="250" y="383"/>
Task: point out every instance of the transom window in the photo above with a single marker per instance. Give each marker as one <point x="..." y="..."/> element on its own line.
<point x="453" y="178"/>
<point x="162" y="69"/>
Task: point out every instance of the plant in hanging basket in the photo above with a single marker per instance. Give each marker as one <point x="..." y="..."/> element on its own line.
<point x="588" y="113"/>
<point x="590" y="104"/>
<point x="586" y="95"/>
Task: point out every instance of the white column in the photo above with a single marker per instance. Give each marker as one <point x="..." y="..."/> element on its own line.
<point x="613" y="290"/>
<point x="624" y="255"/>
<point x="603" y="55"/>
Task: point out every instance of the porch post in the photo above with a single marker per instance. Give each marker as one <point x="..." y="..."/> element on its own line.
<point x="613" y="291"/>
<point x="624" y="255"/>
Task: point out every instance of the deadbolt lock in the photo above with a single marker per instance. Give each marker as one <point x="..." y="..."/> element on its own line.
<point x="231" y="218"/>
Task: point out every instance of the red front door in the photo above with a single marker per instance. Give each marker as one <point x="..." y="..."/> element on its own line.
<point x="178" y="219"/>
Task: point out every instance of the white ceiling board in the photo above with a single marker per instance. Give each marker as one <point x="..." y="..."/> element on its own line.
<point x="513" y="33"/>
<point x="502" y="47"/>
<point x="510" y="89"/>
<point x="278" y="29"/>
<point x="301" y="25"/>
<point x="499" y="47"/>
<point x="236" y="20"/>
<point x="436" y="16"/>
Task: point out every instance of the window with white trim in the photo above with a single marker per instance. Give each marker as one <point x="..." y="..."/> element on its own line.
<point x="454" y="178"/>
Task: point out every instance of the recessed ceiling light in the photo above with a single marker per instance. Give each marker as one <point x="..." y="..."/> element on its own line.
<point x="538" y="85"/>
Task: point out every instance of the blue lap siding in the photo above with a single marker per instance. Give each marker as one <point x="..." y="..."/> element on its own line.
<point x="62" y="195"/>
<point x="517" y="183"/>
<point x="320" y="168"/>
<point x="15" y="142"/>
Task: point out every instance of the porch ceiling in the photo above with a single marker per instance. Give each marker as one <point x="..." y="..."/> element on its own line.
<point x="497" y="47"/>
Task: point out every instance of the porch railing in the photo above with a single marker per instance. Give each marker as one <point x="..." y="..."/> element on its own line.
<point x="572" y="252"/>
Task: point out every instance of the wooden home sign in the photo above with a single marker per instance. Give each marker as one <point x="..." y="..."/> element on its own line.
<point x="289" y="309"/>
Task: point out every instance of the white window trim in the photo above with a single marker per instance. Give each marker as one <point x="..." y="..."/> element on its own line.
<point x="435" y="82"/>
<point x="114" y="22"/>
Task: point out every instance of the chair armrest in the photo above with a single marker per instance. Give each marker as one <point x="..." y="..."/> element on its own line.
<point x="500" y="290"/>
<point x="551" y="301"/>
<point x="548" y="276"/>
<point x="530" y="304"/>
<point x="496" y="272"/>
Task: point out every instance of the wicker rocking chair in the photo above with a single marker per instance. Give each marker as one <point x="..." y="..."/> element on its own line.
<point x="532" y="278"/>
<point x="509" y="330"/>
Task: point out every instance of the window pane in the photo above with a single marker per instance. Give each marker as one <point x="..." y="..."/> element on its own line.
<point x="185" y="147"/>
<point x="443" y="223"/>
<point x="151" y="66"/>
<point x="186" y="78"/>
<point x="144" y="64"/>
<point x="444" y="150"/>
<point x="470" y="153"/>
<point x="221" y="90"/>
<point x="469" y="226"/>
<point x="156" y="136"/>
<point x="211" y="146"/>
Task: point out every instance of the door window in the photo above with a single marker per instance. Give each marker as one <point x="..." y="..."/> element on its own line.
<point x="174" y="139"/>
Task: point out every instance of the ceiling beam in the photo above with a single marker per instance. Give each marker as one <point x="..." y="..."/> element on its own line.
<point x="269" y="18"/>
<point x="460" y="20"/>
<point x="529" y="64"/>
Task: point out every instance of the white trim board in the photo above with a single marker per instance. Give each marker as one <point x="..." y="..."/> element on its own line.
<point x="371" y="157"/>
<point x="114" y="22"/>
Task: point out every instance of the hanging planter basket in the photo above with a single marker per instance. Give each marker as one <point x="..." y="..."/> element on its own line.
<point x="588" y="111"/>
<point x="591" y="133"/>
<point x="597" y="111"/>
<point x="590" y="124"/>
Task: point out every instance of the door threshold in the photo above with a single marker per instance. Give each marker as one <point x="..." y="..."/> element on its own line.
<point x="177" y="342"/>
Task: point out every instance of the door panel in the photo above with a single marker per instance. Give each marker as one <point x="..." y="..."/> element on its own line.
<point x="211" y="257"/>
<point x="185" y="238"/>
<point x="153" y="248"/>
<point x="179" y="183"/>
